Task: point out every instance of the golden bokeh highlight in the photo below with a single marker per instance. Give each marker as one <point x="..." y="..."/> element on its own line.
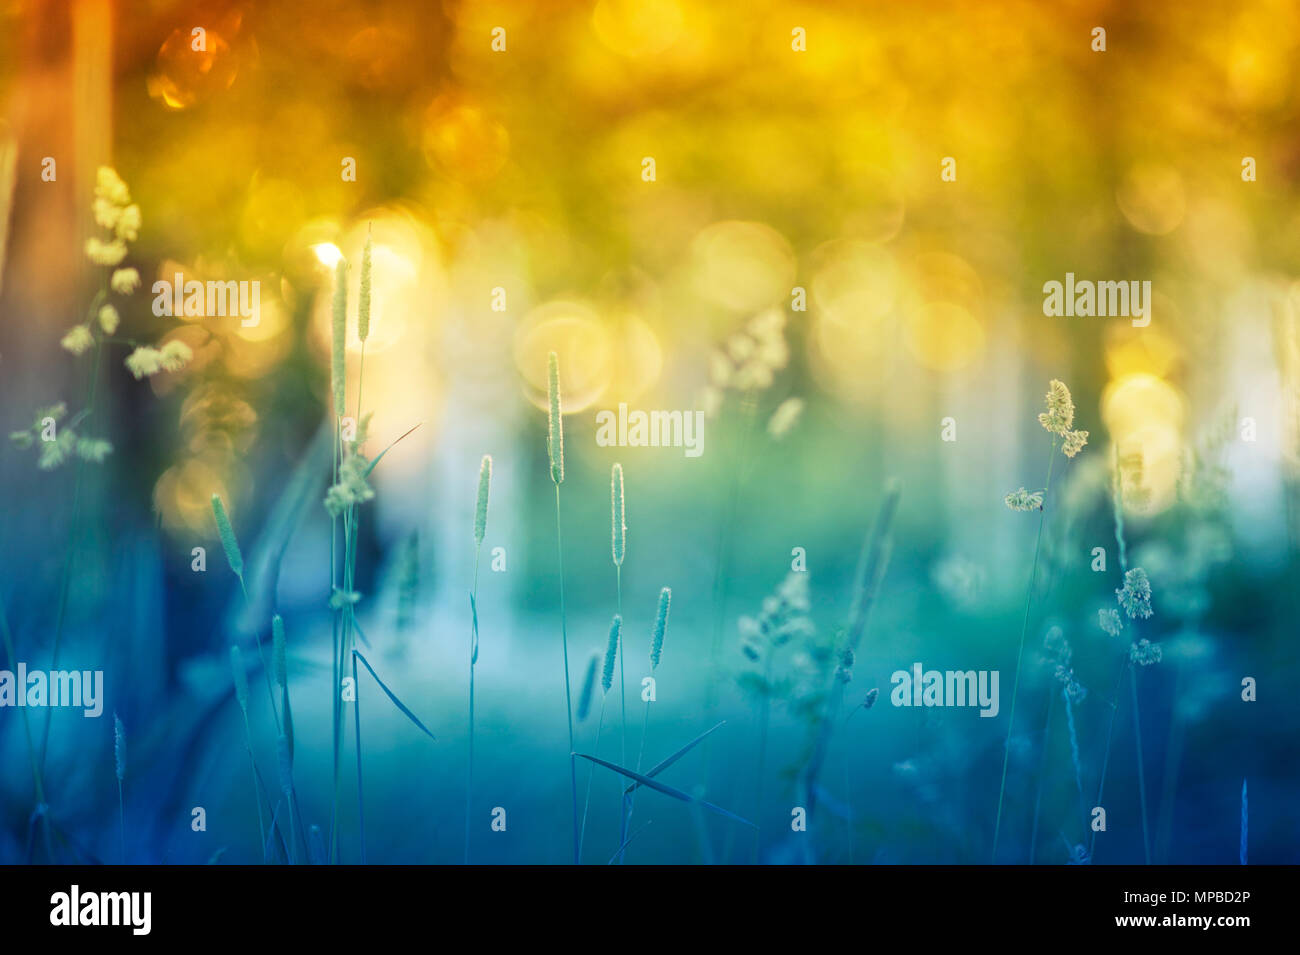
<point x="1152" y="198"/>
<point x="853" y="281"/>
<point x="583" y="344"/>
<point x="184" y="76"/>
<point x="637" y="28"/>
<point x="1145" y="417"/>
<point x="742" y="266"/>
<point x="943" y="336"/>
<point x="463" y="141"/>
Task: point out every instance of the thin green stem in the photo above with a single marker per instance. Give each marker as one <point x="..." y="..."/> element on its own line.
<point x="568" y="695"/>
<point x="1110" y="735"/>
<point x="720" y="573"/>
<point x="257" y="789"/>
<point x="361" y="802"/>
<point x="336" y="675"/>
<point x="764" y="719"/>
<point x="629" y="800"/>
<point x="1142" y="777"/>
<point x="591" y="769"/>
<point x="266" y="673"/>
<point x="1024" y="629"/>
<point x="622" y="679"/>
<point x="70" y="553"/>
<point x="473" y="658"/>
<point x="1042" y="766"/>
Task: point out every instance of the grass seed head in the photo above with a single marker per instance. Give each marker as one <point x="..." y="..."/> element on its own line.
<point x="611" y="653"/>
<point x="481" y="505"/>
<point x="618" y="520"/>
<point x="119" y="748"/>
<point x="555" y="429"/>
<point x="1135" y="595"/>
<point x="227" y="533"/>
<point x="363" y="300"/>
<point x="1059" y="416"/>
<point x="661" y="624"/>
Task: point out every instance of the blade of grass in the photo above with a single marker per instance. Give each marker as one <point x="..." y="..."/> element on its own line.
<point x="372" y="464"/>
<point x="661" y="766"/>
<point x="664" y="788"/>
<point x="393" y="696"/>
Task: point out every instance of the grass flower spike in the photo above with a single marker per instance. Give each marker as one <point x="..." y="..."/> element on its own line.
<point x="481" y="505"/>
<point x="617" y="519"/>
<point x="119" y="748"/>
<point x="1135" y="595"/>
<point x="611" y="654"/>
<point x="1059" y="416"/>
<point x="1023" y="500"/>
<point x="363" y="299"/>
<point x="555" y="430"/>
<point x="661" y="623"/>
<point x="78" y="340"/>
<point x="228" y="542"/>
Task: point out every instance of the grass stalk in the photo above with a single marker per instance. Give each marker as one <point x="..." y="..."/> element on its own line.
<point x="555" y="452"/>
<point x="656" y="653"/>
<point x="764" y="720"/>
<point x="873" y="562"/>
<point x="1024" y="629"/>
<point x="591" y="770"/>
<point x="1042" y="770"/>
<point x="1142" y="778"/>
<point x="480" y="530"/>
<point x="361" y="802"/>
<point x="65" y="579"/>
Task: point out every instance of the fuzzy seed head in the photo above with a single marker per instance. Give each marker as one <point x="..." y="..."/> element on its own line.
<point x="1145" y="653"/>
<point x="363" y="300"/>
<point x="1135" y="595"/>
<point x="119" y="748"/>
<point x="338" y="337"/>
<point x="618" y="520"/>
<point x="784" y="418"/>
<point x="555" y="429"/>
<point x="1073" y="442"/>
<point x="1110" y="621"/>
<point x="227" y="533"/>
<point x="1023" y="500"/>
<point x="1060" y="409"/>
<point x="611" y="653"/>
<point x="481" y="506"/>
<point x="278" y="652"/>
<point x="661" y="624"/>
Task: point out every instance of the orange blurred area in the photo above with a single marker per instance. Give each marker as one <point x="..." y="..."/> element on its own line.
<point x="790" y="157"/>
